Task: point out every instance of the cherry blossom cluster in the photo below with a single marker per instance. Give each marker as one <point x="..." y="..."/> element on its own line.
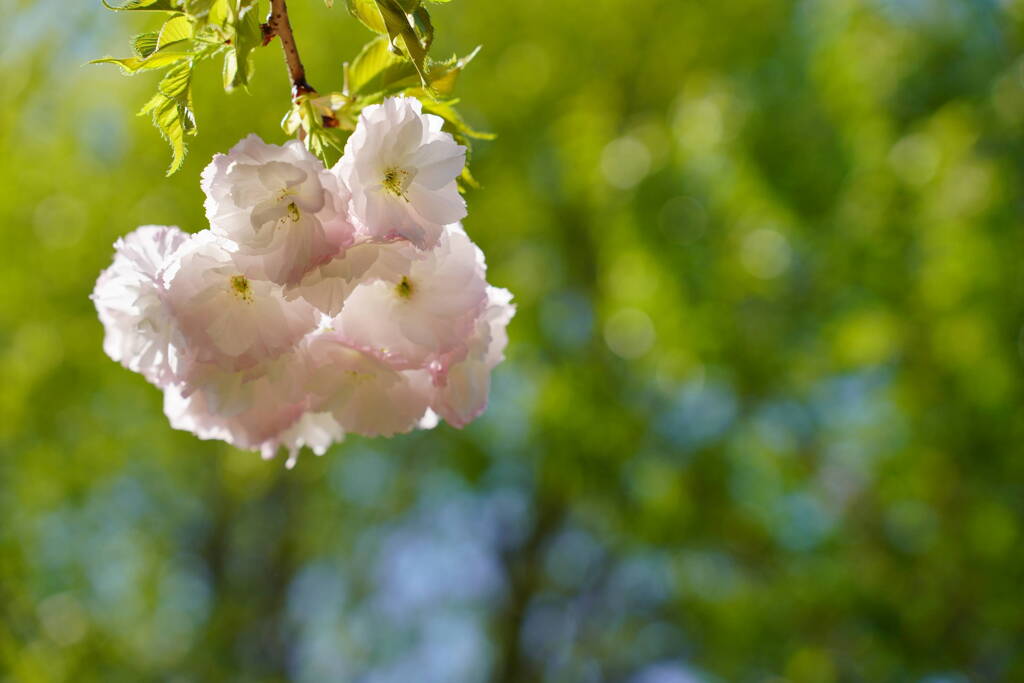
<point x="320" y="301"/>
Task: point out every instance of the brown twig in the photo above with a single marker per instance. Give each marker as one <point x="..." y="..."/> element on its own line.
<point x="279" y="25"/>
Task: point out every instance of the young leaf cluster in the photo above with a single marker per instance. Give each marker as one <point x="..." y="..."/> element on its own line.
<point x="395" y="61"/>
<point x="192" y="31"/>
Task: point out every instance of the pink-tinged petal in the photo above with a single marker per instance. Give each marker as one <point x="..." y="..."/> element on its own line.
<point x="227" y="318"/>
<point x="140" y="331"/>
<point x="424" y="309"/>
<point x="363" y="393"/>
<point x="465" y="384"/>
<point x="256" y="196"/>
<point x="253" y="411"/>
<point x="400" y="170"/>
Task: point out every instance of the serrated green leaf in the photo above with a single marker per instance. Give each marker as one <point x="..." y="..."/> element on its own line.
<point x="157" y="60"/>
<point x="146" y="6"/>
<point x="145" y="44"/>
<point x="174" y="30"/>
<point x="199" y="8"/>
<point x="170" y="119"/>
<point x="424" y="27"/>
<point x="377" y="69"/>
<point x="176" y="81"/>
<point x="367" y="12"/>
<point x="172" y="44"/>
<point x="246" y="36"/>
<point x="443" y="75"/>
<point x="171" y="111"/>
<point x="403" y="35"/>
<point x="219" y="13"/>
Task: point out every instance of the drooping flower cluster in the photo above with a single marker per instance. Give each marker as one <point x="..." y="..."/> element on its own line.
<point x="320" y="301"/>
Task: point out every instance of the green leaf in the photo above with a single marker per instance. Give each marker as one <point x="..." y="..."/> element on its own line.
<point x="408" y="6"/>
<point x="219" y="13"/>
<point x="146" y="6"/>
<point x="310" y="115"/>
<point x="442" y="75"/>
<point x="424" y="27"/>
<point x="200" y="8"/>
<point x="176" y="82"/>
<point x="145" y="44"/>
<point x="157" y="60"/>
<point x="377" y="69"/>
<point x="157" y="50"/>
<point x="171" y="110"/>
<point x="247" y="36"/>
<point x="174" y="30"/>
<point x="367" y="12"/>
<point x="403" y="35"/>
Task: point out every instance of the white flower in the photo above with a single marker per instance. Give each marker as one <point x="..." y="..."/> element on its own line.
<point x="364" y="394"/>
<point x="464" y="386"/>
<point x="401" y="168"/>
<point x="284" y="212"/>
<point x="139" y="331"/>
<point x="229" y="319"/>
<point x="419" y="307"/>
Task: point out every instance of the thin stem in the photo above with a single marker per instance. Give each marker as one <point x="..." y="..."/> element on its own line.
<point x="279" y="25"/>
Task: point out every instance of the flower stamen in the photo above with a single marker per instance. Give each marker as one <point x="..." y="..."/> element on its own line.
<point x="404" y="289"/>
<point x="395" y="180"/>
<point x="240" y="288"/>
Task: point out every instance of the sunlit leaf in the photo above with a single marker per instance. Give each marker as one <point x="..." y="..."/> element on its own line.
<point x="424" y="27"/>
<point x="157" y="60"/>
<point x="377" y="69"/>
<point x="171" y="111"/>
<point x="442" y="75"/>
<point x="368" y="12"/>
<point x="145" y="44"/>
<point x="402" y="34"/>
<point x="175" y="29"/>
<point x="146" y="5"/>
<point x="247" y="36"/>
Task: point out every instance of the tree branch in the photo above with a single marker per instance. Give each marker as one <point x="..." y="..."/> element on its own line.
<point x="279" y="25"/>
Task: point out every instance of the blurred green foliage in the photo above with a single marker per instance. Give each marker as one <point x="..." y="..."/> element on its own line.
<point x="761" y="418"/>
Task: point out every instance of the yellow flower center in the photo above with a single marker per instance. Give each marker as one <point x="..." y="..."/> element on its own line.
<point x="240" y="288"/>
<point x="394" y="181"/>
<point x="404" y="289"/>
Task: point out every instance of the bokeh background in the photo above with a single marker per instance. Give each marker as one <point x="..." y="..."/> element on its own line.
<point x="762" y="416"/>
